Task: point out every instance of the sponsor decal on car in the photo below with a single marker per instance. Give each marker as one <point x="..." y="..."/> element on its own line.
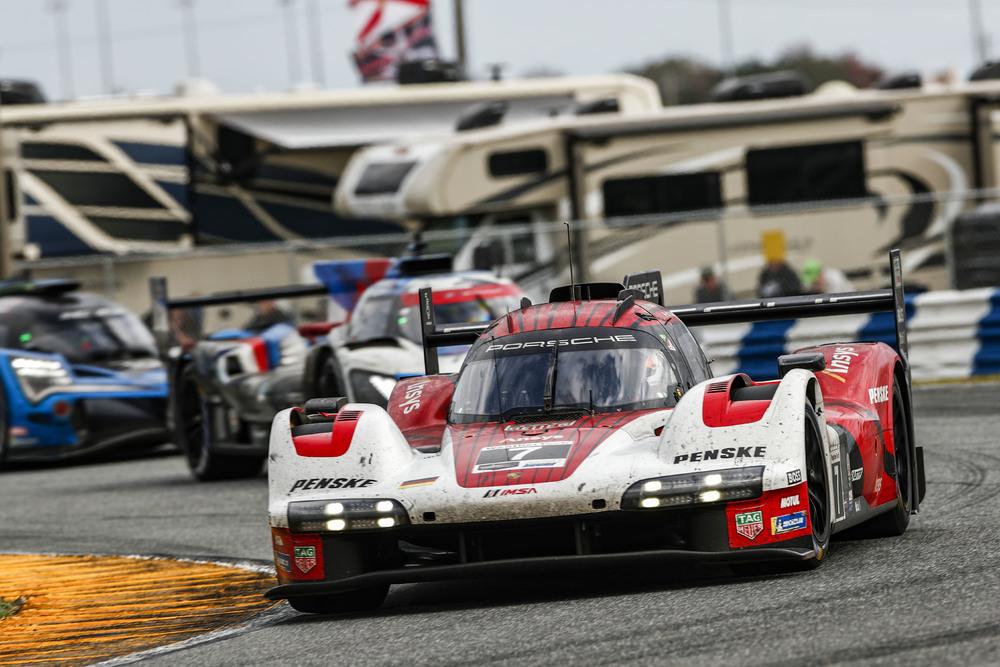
<point x="411" y="399"/>
<point x="840" y="363"/>
<point x="790" y="501"/>
<point x="794" y="476"/>
<point x="331" y="483"/>
<point x="856" y="474"/>
<point x="305" y="558"/>
<point x="493" y="493"/>
<point x="786" y="523"/>
<point x="724" y="453"/>
<point x="283" y="561"/>
<point x="530" y="438"/>
<point x="514" y="457"/>
<point x="878" y="395"/>
<point x="412" y="483"/>
<point x="561" y="342"/>
<point x="544" y="426"/>
<point x="750" y="524"/>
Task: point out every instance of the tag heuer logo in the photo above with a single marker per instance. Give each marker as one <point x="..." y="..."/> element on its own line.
<point x="750" y="524"/>
<point x="305" y="558"/>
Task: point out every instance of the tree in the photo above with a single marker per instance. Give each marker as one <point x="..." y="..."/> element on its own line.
<point x="686" y="80"/>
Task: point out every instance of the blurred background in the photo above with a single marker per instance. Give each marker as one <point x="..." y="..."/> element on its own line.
<point x="742" y="147"/>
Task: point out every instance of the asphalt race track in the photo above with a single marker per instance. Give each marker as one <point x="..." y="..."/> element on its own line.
<point x="931" y="597"/>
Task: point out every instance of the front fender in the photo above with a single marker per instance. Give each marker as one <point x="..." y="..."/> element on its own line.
<point x="375" y="453"/>
<point x="775" y="440"/>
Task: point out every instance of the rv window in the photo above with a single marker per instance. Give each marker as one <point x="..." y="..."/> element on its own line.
<point x="667" y="193"/>
<point x="383" y="178"/>
<point x="806" y="173"/>
<point x="37" y="150"/>
<point x="516" y="163"/>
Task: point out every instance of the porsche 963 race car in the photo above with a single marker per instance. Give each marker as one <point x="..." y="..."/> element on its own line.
<point x="589" y="430"/>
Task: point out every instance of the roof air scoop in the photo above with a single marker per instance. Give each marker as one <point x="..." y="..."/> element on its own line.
<point x="483" y="115"/>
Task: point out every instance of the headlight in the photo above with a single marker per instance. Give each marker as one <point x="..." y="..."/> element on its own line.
<point x="372" y="387"/>
<point x="699" y="488"/>
<point x="39" y="377"/>
<point x="337" y="516"/>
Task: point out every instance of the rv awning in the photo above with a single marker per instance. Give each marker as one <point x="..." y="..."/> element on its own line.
<point x="360" y="126"/>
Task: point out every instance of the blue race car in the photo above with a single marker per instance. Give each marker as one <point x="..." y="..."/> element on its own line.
<point x="78" y="373"/>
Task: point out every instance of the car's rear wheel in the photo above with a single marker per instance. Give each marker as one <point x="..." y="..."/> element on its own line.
<point x="362" y="599"/>
<point x="896" y="521"/>
<point x="193" y="433"/>
<point x="817" y="490"/>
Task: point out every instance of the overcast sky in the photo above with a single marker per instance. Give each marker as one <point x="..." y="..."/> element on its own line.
<point x="243" y="47"/>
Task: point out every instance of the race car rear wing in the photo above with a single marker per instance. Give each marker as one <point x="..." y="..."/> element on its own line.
<point x="162" y="304"/>
<point x="810" y="305"/>
<point x="462" y="334"/>
<point x="650" y="285"/>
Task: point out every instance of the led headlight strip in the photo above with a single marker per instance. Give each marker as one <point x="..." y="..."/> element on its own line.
<point x="699" y="488"/>
<point x="336" y="516"/>
<point x="38" y="376"/>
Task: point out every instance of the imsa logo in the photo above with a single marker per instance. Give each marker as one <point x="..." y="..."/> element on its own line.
<point x="493" y="493"/>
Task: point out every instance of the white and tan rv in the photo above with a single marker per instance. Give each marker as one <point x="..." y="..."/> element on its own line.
<point x="155" y="174"/>
<point x="843" y="173"/>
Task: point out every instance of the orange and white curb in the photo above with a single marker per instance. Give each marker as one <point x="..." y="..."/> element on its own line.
<point x="87" y="609"/>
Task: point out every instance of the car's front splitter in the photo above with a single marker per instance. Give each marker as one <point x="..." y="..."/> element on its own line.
<point x="517" y="567"/>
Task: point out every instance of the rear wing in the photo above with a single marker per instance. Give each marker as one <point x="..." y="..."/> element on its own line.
<point x="464" y="334"/>
<point x="162" y="304"/>
<point x="811" y="305"/>
<point x="650" y="285"/>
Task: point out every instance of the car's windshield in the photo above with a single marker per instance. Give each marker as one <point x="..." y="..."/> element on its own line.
<point x="89" y="335"/>
<point x="604" y="370"/>
<point x="398" y="316"/>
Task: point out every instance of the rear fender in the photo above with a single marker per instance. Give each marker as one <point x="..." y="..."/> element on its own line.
<point x="774" y="440"/>
<point x="365" y="454"/>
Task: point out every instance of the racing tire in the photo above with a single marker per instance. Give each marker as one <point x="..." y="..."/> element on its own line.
<point x="895" y="522"/>
<point x="817" y="491"/>
<point x="193" y="434"/>
<point x="362" y="599"/>
<point x="323" y="374"/>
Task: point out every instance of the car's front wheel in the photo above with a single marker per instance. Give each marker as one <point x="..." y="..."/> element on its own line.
<point x="817" y="490"/>
<point x="362" y="599"/>
<point x="194" y="435"/>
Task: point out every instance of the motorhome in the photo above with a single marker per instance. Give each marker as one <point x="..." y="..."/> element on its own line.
<point x="844" y="174"/>
<point x="156" y="174"/>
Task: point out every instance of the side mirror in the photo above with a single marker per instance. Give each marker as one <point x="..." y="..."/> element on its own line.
<point x="810" y="361"/>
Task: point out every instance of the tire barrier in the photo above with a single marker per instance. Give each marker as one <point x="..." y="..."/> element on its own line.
<point x="953" y="334"/>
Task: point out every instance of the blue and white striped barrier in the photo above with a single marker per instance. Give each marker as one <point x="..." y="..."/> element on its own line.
<point x="952" y="334"/>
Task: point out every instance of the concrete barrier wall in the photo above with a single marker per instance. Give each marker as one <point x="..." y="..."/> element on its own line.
<point x="953" y="334"/>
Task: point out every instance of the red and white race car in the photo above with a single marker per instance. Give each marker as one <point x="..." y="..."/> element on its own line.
<point x="589" y="430"/>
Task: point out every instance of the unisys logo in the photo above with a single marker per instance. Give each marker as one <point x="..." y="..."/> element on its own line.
<point x="840" y="363"/>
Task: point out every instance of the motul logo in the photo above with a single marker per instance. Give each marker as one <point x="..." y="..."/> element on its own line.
<point x="493" y="493"/>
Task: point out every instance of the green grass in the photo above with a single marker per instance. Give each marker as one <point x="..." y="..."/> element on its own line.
<point x="10" y="608"/>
